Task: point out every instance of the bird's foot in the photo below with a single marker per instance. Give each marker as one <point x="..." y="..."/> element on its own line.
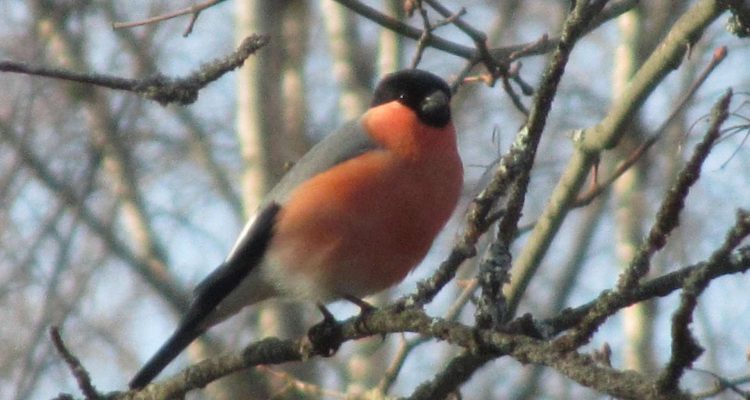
<point x="326" y="336"/>
<point x="365" y="309"/>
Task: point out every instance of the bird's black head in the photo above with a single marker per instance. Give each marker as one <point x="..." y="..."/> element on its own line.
<point x="425" y="93"/>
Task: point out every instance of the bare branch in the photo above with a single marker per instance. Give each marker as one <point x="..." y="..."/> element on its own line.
<point x="160" y="88"/>
<point x="718" y="56"/>
<point x="685" y="348"/>
<point x="454" y="374"/>
<point x="527" y="141"/>
<point x="667" y="218"/>
<point x="507" y="171"/>
<point x="613" y="9"/>
<point x="78" y="371"/>
<point x="590" y="142"/>
<point x="723" y="384"/>
<point x="193" y="10"/>
<point x="657" y="287"/>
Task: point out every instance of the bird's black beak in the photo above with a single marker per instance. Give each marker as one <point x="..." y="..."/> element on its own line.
<point x="435" y="102"/>
<point x="435" y="109"/>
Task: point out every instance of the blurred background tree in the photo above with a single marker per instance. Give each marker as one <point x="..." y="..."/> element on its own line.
<point x="114" y="206"/>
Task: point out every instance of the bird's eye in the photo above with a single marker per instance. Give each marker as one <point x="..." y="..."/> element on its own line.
<point x="402" y="96"/>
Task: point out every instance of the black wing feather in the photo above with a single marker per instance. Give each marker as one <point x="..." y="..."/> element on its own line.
<point x="210" y="293"/>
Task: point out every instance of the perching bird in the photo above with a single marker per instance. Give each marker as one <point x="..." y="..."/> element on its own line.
<point x="352" y="217"/>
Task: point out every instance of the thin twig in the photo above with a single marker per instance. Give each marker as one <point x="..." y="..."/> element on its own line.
<point x="456" y="372"/>
<point x="530" y="136"/>
<point x="613" y="10"/>
<point x="718" y="56"/>
<point x="462" y="75"/>
<point x="310" y="390"/>
<point x="426" y="34"/>
<point x="656" y="287"/>
<point x="406" y="346"/>
<point x="590" y="143"/>
<point x="429" y="27"/>
<point x="514" y="97"/>
<point x="723" y="384"/>
<point x="78" y="371"/>
<point x="685" y="348"/>
<point x="511" y="165"/>
<point x="193" y="10"/>
<point x="667" y="219"/>
<point x="497" y="68"/>
<point x="159" y="88"/>
<point x="493" y="65"/>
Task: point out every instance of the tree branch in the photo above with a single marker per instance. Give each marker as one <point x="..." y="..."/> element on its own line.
<point x="481" y="344"/>
<point x="159" y="88"/>
<point x="501" y="54"/>
<point x="76" y="368"/>
<point x="667" y="218"/>
<point x="194" y="10"/>
<point x="685" y="348"/>
<point x="591" y="142"/>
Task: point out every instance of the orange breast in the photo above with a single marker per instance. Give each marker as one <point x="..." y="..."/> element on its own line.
<point x="361" y="226"/>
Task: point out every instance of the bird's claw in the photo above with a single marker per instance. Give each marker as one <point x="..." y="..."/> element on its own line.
<point x="365" y="309"/>
<point x="326" y="336"/>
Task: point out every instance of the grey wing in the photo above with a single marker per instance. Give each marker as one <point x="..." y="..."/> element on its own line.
<point x="347" y="142"/>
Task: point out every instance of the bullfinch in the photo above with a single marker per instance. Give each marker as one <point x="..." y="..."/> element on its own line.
<point x="352" y="217"/>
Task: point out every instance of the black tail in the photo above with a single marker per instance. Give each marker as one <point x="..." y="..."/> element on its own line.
<point x="180" y="339"/>
<point x="210" y="292"/>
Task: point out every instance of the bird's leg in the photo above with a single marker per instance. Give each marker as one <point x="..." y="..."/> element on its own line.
<point x="326" y="335"/>
<point x="365" y="309"/>
<point x="327" y="316"/>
